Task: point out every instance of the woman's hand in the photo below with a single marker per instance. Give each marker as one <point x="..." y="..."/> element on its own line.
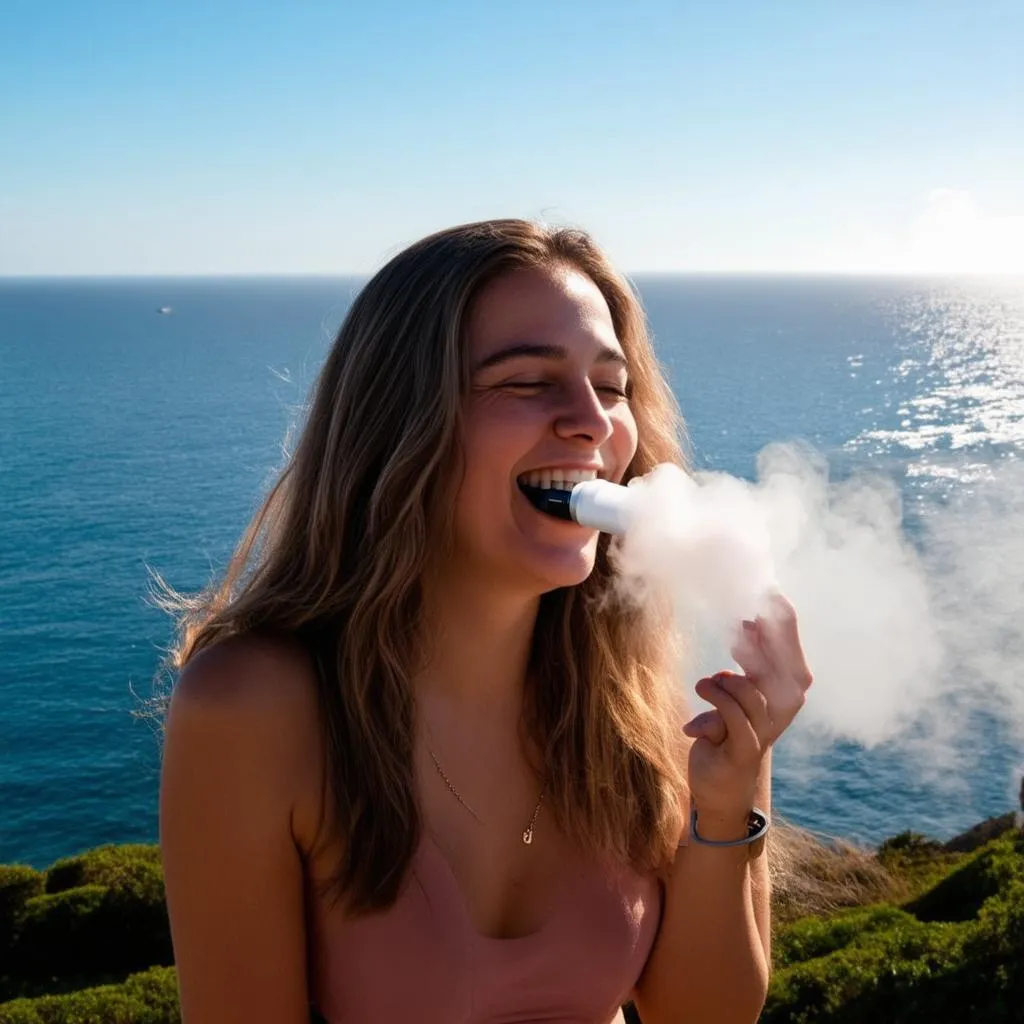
<point x="751" y="712"/>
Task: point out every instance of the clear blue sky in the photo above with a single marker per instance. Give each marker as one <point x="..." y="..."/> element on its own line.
<point x="251" y="137"/>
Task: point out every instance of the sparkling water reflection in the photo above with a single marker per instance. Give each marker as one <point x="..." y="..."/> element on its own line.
<point x="956" y="381"/>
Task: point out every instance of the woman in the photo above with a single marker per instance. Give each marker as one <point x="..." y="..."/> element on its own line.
<point x="419" y="764"/>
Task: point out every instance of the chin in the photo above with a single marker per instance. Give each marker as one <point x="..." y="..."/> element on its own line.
<point x="564" y="570"/>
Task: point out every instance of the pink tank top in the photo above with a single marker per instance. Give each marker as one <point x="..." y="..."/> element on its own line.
<point x="423" y="960"/>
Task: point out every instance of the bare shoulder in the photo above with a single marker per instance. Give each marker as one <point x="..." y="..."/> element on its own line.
<point x="238" y="762"/>
<point x="260" y="693"/>
<point x="249" y="675"/>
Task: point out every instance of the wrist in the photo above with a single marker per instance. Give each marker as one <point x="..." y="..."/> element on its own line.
<point x="722" y="826"/>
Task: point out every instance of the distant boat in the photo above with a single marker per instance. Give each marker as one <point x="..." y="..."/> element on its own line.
<point x="165" y="310"/>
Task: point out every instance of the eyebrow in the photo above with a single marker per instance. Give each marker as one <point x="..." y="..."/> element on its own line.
<point x="535" y="350"/>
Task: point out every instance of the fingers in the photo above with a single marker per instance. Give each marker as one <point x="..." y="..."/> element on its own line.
<point x="740" y="730"/>
<point x="749" y="653"/>
<point x="708" y="724"/>
<point x="753" y="702"/>
<point x="754" y="709"/>
<point x="782" y="639"/>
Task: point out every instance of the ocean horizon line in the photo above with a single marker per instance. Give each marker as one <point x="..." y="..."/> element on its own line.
<point x="273" y="275"/>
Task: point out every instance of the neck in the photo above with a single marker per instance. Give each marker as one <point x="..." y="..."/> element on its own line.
<point x="480" y="643"/>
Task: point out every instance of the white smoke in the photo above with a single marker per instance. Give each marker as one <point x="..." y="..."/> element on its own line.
<point x="903" y="644"/>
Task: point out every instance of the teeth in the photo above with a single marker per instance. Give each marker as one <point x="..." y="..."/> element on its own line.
<point x="556" y="479"/>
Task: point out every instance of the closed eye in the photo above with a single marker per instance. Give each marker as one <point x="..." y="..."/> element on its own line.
<point x="610" y="389"/>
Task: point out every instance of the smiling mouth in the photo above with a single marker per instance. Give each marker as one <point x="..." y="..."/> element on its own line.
<point x="550" y="491"/>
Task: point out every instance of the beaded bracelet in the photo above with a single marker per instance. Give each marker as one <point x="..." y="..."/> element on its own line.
<point x="757" y="826"/>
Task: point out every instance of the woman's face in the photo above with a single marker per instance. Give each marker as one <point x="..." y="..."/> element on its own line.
<point x="548" y="395"/>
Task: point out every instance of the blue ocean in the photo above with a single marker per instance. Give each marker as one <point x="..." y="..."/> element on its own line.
<point x="133" y="439"/>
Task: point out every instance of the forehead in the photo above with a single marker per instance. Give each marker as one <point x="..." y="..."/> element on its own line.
<point x="555" y="305"/>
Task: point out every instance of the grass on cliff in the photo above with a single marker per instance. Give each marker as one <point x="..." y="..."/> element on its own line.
<point x="947" y="945"/>
<point x="908" y="934"/>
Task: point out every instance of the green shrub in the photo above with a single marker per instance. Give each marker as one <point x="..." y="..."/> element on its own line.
<point x="883" y="963"/>
<point x="98" y="931"/>
<point x="995" y="949"/>
<point x="108" y="865"/>
<point x="916" y="861"/>
<point x="147" y="998"/>
<point x="18" y="884"/>
<point x="960" y="895"/>
<point x="813" y="937"/>
<point x="909" y="843"/>
<point x="879" y="974"/>
<point x="58" y="933"/>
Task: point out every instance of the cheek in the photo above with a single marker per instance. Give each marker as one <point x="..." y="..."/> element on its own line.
<point x="498" y="433"/>
<point x="625" y="438"/>
<point x="494" y="443"/>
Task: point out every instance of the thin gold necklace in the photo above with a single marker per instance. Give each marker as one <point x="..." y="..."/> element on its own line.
<point x="528" y="832"/>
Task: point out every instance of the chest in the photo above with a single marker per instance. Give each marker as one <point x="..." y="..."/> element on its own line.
<point x="424" y="959"/>
<point x="506" y="886"/>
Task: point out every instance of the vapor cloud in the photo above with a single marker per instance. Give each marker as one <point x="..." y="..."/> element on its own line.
<point x="908" y="642"/>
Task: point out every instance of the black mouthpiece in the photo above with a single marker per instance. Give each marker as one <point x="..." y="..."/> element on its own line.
<point x="554" y="503"/>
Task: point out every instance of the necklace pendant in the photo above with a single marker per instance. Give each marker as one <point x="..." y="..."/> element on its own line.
<point x="528" y="836"/>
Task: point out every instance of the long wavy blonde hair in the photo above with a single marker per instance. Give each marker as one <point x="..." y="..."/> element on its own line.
<point x="336" y="554"/>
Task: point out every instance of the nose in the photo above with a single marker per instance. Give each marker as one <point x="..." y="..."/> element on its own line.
<point x="583" y="416"/>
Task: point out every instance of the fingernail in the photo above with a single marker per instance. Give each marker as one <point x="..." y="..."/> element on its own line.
<point x="747" y="624"/>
